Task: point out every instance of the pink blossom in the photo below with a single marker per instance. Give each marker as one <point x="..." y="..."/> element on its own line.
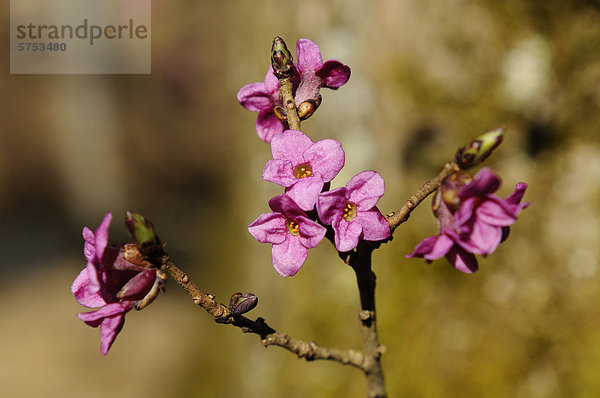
<point x="315" y="74"/>
<point x="479" y="223"/>
<point x="109" y="283"/>
<point x="263" y="97"/>
<point x="303" y="167"/>
<point x="352" y="213"/>
<point x="290" y="231"/>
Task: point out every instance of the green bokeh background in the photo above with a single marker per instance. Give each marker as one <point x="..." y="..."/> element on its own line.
<point x="426" y="77"/>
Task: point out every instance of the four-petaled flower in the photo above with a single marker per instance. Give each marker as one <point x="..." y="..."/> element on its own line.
<point x="290" y="231"/>
<point x="263" y="97"/>
<point x="352" y="213"/>
<point x="315" y="74"/>
<point x="303" y="167"/>
<point x="110" y="283"/>
<point x="475" y="223"/>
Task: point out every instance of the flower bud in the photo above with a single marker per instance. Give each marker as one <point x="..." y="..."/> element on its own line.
<point x="308" y="107"/>
<point x="240" y="303"/>
<point x="281" y="59"/>
<point x="142" y="231"/>
<point x="479" y="149"/>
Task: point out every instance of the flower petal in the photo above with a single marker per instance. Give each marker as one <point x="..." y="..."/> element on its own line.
<point x="109" y="329"/>
<point x="485" y="238"/>
<point x="268" y="125"/>
<point x="290" y="145"/>
<point x="326" y="158"/>
<point x="462" y="260"/>
<point x="346" y="234"/>
<point x="101" y="236"/>
<point x="271" y="82"/>
<point x="311" y="233"/>
<point x="365" y="189"/>
<point x="280" y="172"/>
<point x="306" y="191"/>
<point x="94" y="318"/>
<point x="269" y="228"/>
<point x="330" y="204"/>
<point x="288" y="256"/>
<point x="484" y="182"/>
<point x="89" y="251"/>
<point x="334" y="74"/>
<point x="496" y="212"/>
<point x="286" y="205"/>
<point x="83" y="294"/>
<point x="516" y="197"/>
<point x="138" y="286"/>
<point x="309" y="56"/>
<point x="255" y="97"/>
<point x="374" y="225"/>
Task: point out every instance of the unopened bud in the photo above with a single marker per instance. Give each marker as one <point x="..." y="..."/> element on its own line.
<point x="308" y="107"/>
<point x="142" y="231"/>
<point x="479" y="149"/>
<point x="281" y="59"/>
<point x="280" y="113"/>
<point x="240" y="303"/>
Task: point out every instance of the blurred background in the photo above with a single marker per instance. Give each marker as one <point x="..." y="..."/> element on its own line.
<point x="427" y="76"/>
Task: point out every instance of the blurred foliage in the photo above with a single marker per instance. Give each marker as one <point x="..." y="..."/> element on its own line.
<point x="175" y="146"/>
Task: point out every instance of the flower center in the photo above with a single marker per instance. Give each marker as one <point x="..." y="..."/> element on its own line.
<point x="292" y="227"/>
<point x="349" y="211"/>
<point x="303" y="170"/>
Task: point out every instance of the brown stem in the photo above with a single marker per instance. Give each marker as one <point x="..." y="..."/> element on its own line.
<point x="269" y="336"/>
<point x="395" y="219"/>
<point x="360" y="261"/>
<point x="285" y="89"/>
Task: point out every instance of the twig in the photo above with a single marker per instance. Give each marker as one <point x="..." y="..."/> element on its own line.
<point x="395" y="219"/>
<point x="285" y="89"/>
<point x="269" y="336"/>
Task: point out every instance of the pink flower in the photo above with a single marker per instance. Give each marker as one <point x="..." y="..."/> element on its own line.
<point x="475" y="223"/>
<point x="263" y="98"/>
<point x="352" y="213"/>
<point x="303" y="167"/>
<point x="315" y="74"/>
<point x="109" y="283"/>
<point x="290" y="232"/>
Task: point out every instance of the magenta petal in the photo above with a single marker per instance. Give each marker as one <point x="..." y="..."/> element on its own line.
<point x="94" y="318"/>
<point x="271" y="82"/>
<point x="267" y="125"/>
<point x="334" y="74"/>
<point x="330" y="204"/>
<point x="254" y="97"/>
<point x="462" y="260"/>
<point x="290" y="145"/>
<point x="424" y="247"/>
<point x="311" y="233"/>
<point x="109" y="329"/>
<point x="89" y="251"/>
<point x="285" y="205"/>
<point x="305" y="192"/>
<point x="515" y="198"/>
<point x="484" y="182"/>
<point x="496" y="212"/>
<point x="138" y="286"/>
<point x="93" y="277"/>
<point x="374" y="225"/>
<point x="485" y="238"/>
<point x="440" y="247"/>
<point x="288" y="256"/>
<point x="101" y="236"/>
<point x="365" y="189"/>
<point x="269" y="228"/>
<point x="309" y="56"/>
<point x="346" y="234"/>
<point x="280" y="172"/>
<point x="326" y="158"/>
<point x="465" y="211"/>
<point x="83" y="294"/>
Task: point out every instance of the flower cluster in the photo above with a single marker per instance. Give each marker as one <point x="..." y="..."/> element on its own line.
<point x="303" y="167"/>
<point x="472" y="219"/>
<point x="310" y="75"/>
<point x="115" y="280"/>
